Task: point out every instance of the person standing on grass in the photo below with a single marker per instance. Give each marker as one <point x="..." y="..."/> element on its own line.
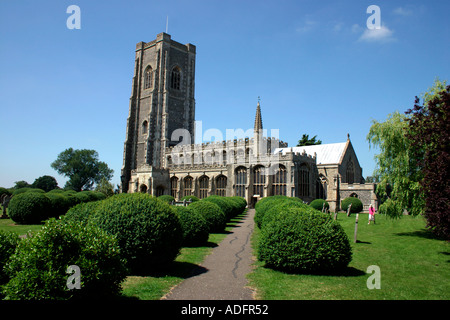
<point x="371" y="214"/>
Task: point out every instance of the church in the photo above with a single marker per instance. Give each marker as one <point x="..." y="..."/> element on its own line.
<point x="159" y="157"/>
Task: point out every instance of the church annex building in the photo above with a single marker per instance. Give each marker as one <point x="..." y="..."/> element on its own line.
<point x="162" y="107"/>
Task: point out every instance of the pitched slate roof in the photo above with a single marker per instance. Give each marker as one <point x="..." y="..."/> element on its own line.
<point x="326" y="153"/>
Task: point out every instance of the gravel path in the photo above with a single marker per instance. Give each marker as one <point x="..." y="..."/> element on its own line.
<point x="226" y="269"/>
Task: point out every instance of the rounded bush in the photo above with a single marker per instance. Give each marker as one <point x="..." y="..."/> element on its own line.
<point x="223" y="204"/>
<point x="56" y="191"/>
<point x="263" y="205"/>
<point x="357" y="205"/>
<point x="242" y="202"/>
<point x="8" y="243"/>
<point x="192" y="198"/>
<point x="307" y="242"/>
<point x="71" y="197"/>
<point x="38" y="268"/>
<point x="318" y="204"/>
<point x="29" y="208"/>
<point x="97" y="195"/>
<point x="148" y="230"/>
<point x="166" y="198"/>
<point x="195" y="227"/>
<point x="81" y="212"/>
<point x="282" y="204"/>
<point x="58" y="204"/>
<point x="25" y="190"/>
<point x="213" y="214"/>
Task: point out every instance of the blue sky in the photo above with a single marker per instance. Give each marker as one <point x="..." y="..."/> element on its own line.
<point x="316" y="66"/>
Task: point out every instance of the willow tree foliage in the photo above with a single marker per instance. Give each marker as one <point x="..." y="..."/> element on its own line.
<point x="396" y="166"/>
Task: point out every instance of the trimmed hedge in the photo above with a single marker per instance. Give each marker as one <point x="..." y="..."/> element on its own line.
<point x="357" y="205"/>
<point x="148" y="230"/>
<point x="25" y="190"/>
<point x="224" y="204"/>
<point x="166" y="198"/>
<point x="195" y="226"/>
<point x="300" y="241"/>
<point x="82" y="212"/>
<point x="265" y="204"/>
<point x="29" y="208"/>
<point x="8" y="243"/>
<point x="38" y="268"/>
<point x="213" y="214"/>
<point x="282" y="204"/>
<point x="193" y="198"/>
<point x="318" y="204"/>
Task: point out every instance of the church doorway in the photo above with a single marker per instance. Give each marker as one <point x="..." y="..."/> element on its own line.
<point x="143" y="188"/>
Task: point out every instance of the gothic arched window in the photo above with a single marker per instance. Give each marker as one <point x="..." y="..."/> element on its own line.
<point x="241" y="181"/>
<point x="203" y="187"/>
<point x="259" y="180"/>
<point x="188" y="186"/>
<point x="221" y="186"/>
<point x="148" y="77"/>
<point x="175" y="78"/>
<point x="174" y="186"/>
<point x="279" y="181"/>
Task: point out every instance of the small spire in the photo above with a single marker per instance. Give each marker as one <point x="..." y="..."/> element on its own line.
<point x="348" y="136"/>
<point x="258" y="118"/>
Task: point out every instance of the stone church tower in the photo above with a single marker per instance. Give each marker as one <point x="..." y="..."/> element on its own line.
<point x="162" y="102"/>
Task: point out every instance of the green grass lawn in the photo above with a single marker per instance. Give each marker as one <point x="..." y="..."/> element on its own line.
<point x="412" y="265"/>
<point x="20" y="229"/>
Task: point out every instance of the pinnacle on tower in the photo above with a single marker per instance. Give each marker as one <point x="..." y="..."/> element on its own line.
<point x="258" y="119"/>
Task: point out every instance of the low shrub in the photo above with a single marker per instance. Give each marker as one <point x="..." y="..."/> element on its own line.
<point x="81" y="212"/>
<point x="357" y="205"/>
<point x="29" y="208"/>
<point x="26" y="189"/>
<point x="195" y="227"/>
<point x="190" y="198"/>
<point x="223" y="204"/>
<point x="148" y="230"/>
<point x="8" y="243"/>
<point x="318" y="204"/>
<point x="38" y="268"/>
<point x="213" y="214"/>
<point x="242" y="202"/>
<point x="263" y="205"/>
<point x="166" y="198"/>
<point x="56" y="191"/>
<point x="282" y="204"/>
<point x="58" y="204"/>
<point x="306" y="242"/>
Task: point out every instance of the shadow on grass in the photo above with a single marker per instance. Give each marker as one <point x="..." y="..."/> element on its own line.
<point x="179" y="269"/>
<point x="344" y="272"/>
<point x="423" y="233"/>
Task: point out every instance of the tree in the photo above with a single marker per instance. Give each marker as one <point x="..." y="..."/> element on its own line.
<point x="105" y="187"/>
<point x="430" y="140"/>
<point x="45" y="183"/>
<point x="21" y="184"/>
<point x="82" y="167"/>
<point x="396" y="166"/>
<point x="306" y="141"/>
